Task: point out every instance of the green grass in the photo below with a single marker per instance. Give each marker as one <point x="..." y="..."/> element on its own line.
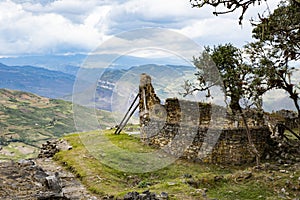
<point x="181" y="179"/>
<point x="290" y="135"/>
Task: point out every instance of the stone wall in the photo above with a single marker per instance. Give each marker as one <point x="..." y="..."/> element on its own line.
<point x="195" y="131"/>
<point x="288" y="118"/>
<point x="187" y="111"/>
<point x="227" y="146"/>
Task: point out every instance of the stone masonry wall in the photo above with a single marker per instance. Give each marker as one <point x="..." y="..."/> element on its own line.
<point x="193" y="130"/>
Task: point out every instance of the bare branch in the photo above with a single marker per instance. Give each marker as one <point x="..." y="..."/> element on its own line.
<point x="230" y="5"/>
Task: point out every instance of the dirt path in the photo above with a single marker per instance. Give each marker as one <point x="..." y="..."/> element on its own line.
<point x="38" y="179"/>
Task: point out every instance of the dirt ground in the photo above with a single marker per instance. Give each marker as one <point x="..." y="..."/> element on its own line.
<point x="40" y="178"/>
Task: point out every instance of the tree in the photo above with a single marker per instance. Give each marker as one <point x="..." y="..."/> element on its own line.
<point x="233" y="71"/>
<point x="226" y="62"/>
<point x="228" y="6"/>
<point x="277" y="44"/>
<point x="275" y="54"/>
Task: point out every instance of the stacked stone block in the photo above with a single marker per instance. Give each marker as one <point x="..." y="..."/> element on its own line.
<point x="195" y="131"/>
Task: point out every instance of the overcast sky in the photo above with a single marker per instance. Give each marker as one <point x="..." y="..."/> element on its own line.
<point x="79" y="26"/>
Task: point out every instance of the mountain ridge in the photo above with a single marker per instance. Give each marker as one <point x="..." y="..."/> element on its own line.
<point x="44" y="82"/>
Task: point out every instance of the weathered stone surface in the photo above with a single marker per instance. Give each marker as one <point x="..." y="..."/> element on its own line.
<point x="283" y="151"/>
<point x="53" y="183"/>
<point x="197" y="131"/>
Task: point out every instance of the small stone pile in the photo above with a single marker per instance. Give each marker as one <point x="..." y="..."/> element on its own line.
<point x="284" y="151"/>
<point x="146" y="195"/>
<point x="50" y="148"/>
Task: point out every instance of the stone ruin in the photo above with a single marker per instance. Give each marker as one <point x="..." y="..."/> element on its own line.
<point x="196" y="131"/>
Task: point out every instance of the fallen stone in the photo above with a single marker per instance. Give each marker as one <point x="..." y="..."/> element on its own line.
<point x="164" y="195"/>
<point x="53" y="183"/>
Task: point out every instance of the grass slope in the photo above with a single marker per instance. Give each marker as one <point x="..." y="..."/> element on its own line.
<point x="181" y="180"/>
<point x="28" y="120"/>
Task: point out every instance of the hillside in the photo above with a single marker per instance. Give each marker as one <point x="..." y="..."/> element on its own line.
<point x="52" y="84"/>
<point x="28" y="120"/>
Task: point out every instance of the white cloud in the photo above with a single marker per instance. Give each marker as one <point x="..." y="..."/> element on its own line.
<point x="216" y="30"/>
<point x="61" y="26"/>
<point x="156" y="13"/>
<point x="74" y="10"/>
<point x="26" y="32"/>
<point x="150" y="40"/>
<point x="156" y="10"/>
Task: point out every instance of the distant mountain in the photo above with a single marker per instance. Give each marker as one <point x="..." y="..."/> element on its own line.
<point x="56" y="84"/>
<point x="70" y="64"/>
<point x="36" y="80"/>
<point x="114" y="83"/>
<point x="117" y="87"/>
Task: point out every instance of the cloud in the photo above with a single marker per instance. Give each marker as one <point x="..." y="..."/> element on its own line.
<point x="276" y="100"/>
<point x="214" y="30"/>
<point x="159" y="10"/>
<point x="154" y="43"/>
<point x="35" y="29"/>
<point x="155" y="38"/>
<point x="156" y="13"/>
<point x="62" y="26"/>
<point x="74" y="10"/>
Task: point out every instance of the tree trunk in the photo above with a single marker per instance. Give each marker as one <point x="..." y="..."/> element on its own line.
<point x="294" y="96"/>
<point x="252" y="146"/>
